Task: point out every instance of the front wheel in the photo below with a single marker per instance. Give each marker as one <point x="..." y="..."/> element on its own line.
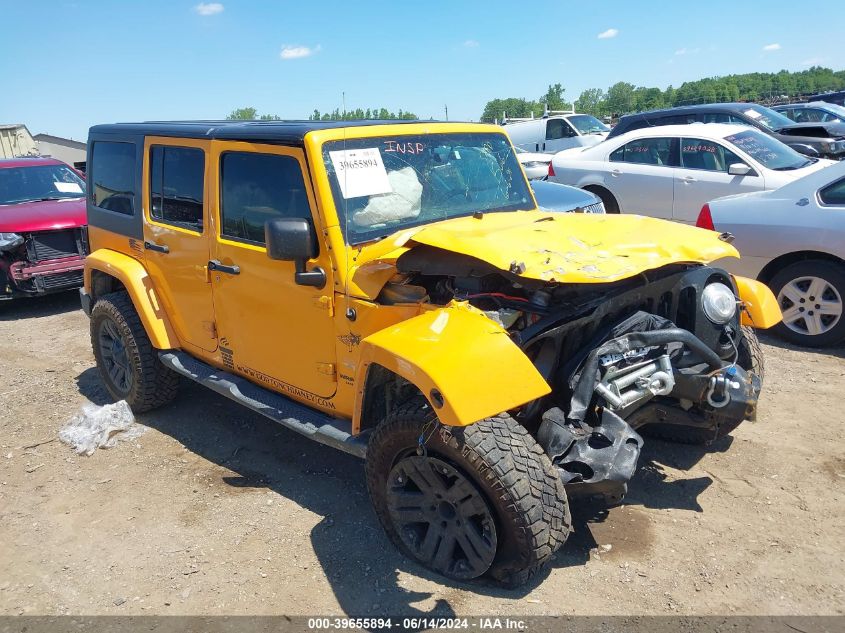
<point x="477" y="500"/>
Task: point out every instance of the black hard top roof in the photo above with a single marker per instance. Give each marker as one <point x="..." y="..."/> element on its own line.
<point x="704" y="107"/>
<point x="284" y="132"/>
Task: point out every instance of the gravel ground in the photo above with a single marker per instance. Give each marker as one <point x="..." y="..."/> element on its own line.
<point x="215" y="510"/>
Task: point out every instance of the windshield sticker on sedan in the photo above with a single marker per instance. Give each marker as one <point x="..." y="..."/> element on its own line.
<point x="68" y="187"/>
<point x="360" y="172"/>
<point x="753" y="114"/>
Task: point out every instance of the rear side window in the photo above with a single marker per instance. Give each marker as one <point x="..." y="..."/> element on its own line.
<point x="708" y="155"/>
<point x="112" y="173"/>
<point x="256" y="188"/>
<point x="646" y="151"/>
<point x="834" y="194"/>
<point x="177" y="179"/>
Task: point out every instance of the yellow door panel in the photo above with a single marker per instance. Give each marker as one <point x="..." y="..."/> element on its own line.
<point x="271" y="330"/>
<point x="176" y="249"/>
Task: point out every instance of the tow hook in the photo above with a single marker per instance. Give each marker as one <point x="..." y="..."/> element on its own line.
<point x="718" y="394"/>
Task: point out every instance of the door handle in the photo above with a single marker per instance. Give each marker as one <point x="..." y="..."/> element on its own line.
<point x="616" y="172"/>
<point x="215" y="265"/>
<point x="158" y="248"/>
<point x="689" y="179"/>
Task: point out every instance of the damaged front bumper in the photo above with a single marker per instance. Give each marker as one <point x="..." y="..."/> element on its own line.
<point x="645" y="371"/>
<point x="25" y="278"/>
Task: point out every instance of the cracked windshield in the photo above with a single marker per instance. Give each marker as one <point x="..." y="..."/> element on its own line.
<point x="385" y="184"/>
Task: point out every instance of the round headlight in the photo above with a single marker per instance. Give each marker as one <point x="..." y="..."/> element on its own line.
<point x="718" y="302"/>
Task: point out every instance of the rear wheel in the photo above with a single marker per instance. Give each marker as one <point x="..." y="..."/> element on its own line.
<point x="811" y="295"/>
<point x="750" y="358"/>
<point x="481" y="499"/>
<point x="607" y="198"/>
<point x="127" y="361"/>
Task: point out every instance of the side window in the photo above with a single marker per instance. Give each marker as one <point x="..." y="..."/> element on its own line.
<point x="834" y="194"/>
<point x="676" y="119"/>
<point x="177" y="180"/>
<point x="717" y="117"/>
<point x="708" y="155"/>
<point x="646" y="151"/>
<point x="256" y="188"/>
<point x="557" y="129"/>
<point x="112" y="175"/>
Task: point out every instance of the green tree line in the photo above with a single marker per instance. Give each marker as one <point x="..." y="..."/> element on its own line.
<point x="623" y="97"/>
<point x="251" y="114"/>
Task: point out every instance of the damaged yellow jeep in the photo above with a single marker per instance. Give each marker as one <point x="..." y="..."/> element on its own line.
<point x="392" y="290"/>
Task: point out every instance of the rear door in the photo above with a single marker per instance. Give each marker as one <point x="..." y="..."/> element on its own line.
<point x="176" y="244"/>
<point x="703" y="176"/>
<point x="641" y="176"/>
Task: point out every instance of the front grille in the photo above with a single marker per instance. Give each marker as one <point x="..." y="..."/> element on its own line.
<point x="69" y="279"/>
<point x="54" y="245"/>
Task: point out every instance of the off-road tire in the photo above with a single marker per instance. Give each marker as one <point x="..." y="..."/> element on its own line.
<point x="751" y="359"/>
<point x="151" y="383"/>
<point x="834" y="274"/>
<point x="504" y="463"/>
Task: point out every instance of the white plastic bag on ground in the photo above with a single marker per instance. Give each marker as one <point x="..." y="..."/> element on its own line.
<point x="100" y="427"/>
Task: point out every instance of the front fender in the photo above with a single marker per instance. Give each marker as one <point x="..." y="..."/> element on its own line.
<point x="458" y="353"/>
<point x="132" y="274"/>
<point x="760" y="307"/>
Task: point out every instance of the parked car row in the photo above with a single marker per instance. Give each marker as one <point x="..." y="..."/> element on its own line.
<point x="744" y="170"/>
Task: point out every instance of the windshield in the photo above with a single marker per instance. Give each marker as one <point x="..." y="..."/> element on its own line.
<point x="588" y="124"/>
<point x="768" y="151"/>
<point x="836" y="110"/>
<point x="769" y="118"/>
<point x="385" y="184"/>
<point x="39" y="182"/>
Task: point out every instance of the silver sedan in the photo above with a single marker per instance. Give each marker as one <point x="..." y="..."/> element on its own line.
<point x="793" y="239"/>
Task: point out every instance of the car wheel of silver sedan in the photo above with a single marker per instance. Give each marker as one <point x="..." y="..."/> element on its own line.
<point x="811" y="295"/>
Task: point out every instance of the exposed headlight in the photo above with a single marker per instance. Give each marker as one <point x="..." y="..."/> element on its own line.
<point x="718" y="302"/>
<point x="8" y="241"/>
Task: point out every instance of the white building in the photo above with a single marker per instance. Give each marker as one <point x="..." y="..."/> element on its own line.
<point x="63" y="149"/>
<point x="15" y="140"/>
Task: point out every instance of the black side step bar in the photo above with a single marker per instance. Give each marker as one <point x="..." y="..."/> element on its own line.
<point x="297" y="417"/>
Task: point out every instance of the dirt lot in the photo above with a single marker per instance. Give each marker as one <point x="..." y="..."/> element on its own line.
<point x="217" y="510"/>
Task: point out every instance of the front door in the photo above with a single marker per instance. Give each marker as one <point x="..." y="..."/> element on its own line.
<point x="703" y="176"/>
<point x="176" y="245"/>
<point x="272" y="330"/>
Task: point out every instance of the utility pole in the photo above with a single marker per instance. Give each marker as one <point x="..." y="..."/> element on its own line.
<point x="446" y="107"/>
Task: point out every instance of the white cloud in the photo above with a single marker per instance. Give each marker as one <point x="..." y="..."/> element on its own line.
<point x="606" y="35"/>
<point x="209" y="8"/>
<point x="471" y="44"/>
<point x="771" y="47"/>
<point x="681" y="51"/>
<point x="814" y="61"/>
<point x="687" y="51"/>
<point x="298" y="52"/>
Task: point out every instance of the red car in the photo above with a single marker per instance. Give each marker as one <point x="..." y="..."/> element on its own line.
<point x="43" y="240"/>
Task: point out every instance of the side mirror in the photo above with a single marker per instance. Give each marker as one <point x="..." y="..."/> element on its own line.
<point x="293" y="240"/>
<point x="739" y="169"/>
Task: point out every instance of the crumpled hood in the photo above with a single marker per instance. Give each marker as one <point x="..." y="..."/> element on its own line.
<point x="573" y="248"/>
<point x="42" y="215"/>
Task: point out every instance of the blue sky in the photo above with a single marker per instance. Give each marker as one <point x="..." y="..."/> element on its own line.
<point x="69" y="65"/>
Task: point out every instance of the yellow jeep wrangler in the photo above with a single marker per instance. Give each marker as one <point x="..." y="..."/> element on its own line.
<point x="392" y="290"/>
